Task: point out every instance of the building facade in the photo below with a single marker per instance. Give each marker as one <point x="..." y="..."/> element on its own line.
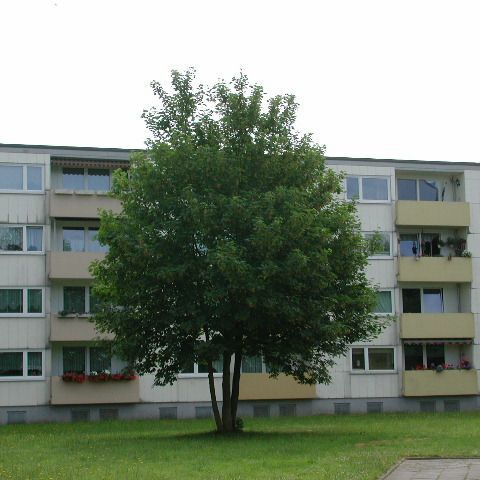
<point x="424" y="222"/>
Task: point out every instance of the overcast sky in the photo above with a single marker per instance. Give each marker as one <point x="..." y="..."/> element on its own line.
<point x="383" y="79"/>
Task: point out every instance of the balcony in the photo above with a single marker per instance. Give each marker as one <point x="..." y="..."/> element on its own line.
<point x="435" y="269"/>
<point x="64" y="393"/>
<point x="259" y="386"/>
<point x="432" y="214"/>
<point x="437" y="325"/>
<point x="71" y="265"/>
<point x="74" y="329"/>
<point x="80" y="203"/>
<point x="429" y="383"/>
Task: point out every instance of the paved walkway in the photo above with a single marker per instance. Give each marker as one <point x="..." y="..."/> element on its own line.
<point x="437" y="469"/>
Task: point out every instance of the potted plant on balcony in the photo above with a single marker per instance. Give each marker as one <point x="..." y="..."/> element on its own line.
<point x="73" y="377"/>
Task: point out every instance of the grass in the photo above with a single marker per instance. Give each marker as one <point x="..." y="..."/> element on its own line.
<point x="323" y="447"/>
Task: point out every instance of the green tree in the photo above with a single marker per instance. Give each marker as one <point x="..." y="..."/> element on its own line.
<point x="233" y="241"/>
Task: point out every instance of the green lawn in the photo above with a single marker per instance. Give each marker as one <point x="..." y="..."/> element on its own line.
<point x="324" y="447"/>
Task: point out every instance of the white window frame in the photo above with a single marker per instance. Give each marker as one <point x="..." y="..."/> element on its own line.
<point x="25" y="303"/>
<point x="422" y="308"/>
<point x="86" y="240"/>
<point x="87" y="312"/>
<point x="367" y="365"/>
<point x="417" y="189"/>
<point x="85" y="179"/>
<point x="25" y="377"/>
<point x="392" y="296"/>
<point x="197" y="374"/>
<point x="24" y="250"/>
<point x="24" y="178"/>
<point x="360" y="188"/>
<point x="381" y="257"/>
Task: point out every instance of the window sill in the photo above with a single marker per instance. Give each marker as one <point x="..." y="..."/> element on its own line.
<point x="198" y="375"/>
<point x="22" y="379"/>
<point x="27" y="192"/>
<point x="22" y="315"/>
<point x="21" y="252"/>
<point x="67" y="191"/>
<point x="381" y="257"/>
<point x="374" y="372"/>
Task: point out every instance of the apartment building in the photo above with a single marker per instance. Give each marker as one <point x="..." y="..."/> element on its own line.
<point x="426" y="265"/>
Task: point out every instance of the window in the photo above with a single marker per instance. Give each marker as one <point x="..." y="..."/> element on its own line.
<point x="421" y="356"/>
<point x="74" y="299"/>
<point x="21" y="364"/>
<point x="97" y="179"/>
<point x="413" y="189"/>
<point x="21" y="178"/>
<point x="21" y="302"/>
<point x="420" y="244"/>
<point x="368" y="189"/>
<point x="378" y="244"/>
<point x="15" y="239"/>
<point x="79" y="300"/>
<point x="196" y="368"/>
<point x="252" y="365"/>
<point x="422" y="300"/>
<point x="82" y="239"/>
<point x="384" y="302"/>
<point x="373" y="358"/>
<point x="86" y="359"/>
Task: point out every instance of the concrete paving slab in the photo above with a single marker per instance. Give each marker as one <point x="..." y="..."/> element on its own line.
<point x="436" y="469"/>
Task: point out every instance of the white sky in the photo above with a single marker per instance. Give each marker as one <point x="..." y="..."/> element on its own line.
<point x="385" y="79"/>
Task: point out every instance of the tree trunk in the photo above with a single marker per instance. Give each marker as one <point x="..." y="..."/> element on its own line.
<point x="226" y="404"/>
<point x="213" y="396"/>
<point x="237" y="371"/>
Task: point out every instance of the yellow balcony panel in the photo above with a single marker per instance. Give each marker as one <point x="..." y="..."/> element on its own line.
<point x="432" y="214"/>
<point x="70" y="393"/>
<point x="435" y="269"/>
<point x="429" y="383"/>
<point x="74" y="329"/>
<point x="80" y="204"/>
<point x="259" y="386"/>
<point x="437" y="325"/>
<point x="71" y="265"/>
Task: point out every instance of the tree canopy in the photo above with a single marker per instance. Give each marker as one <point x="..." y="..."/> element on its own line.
<point x="234" y="241"/>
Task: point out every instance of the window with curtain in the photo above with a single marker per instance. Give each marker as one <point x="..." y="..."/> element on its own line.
<point x="74" y="359"/>
<point x="34" y="178"/>
<point x="94" y="303"/>
<point x="98" y="179"/>
<point x="73" y="239"/>
<point x="100" y="359"/>
<point x="34" y="364"/>
<point x="432" y="300"/>
<point x="11" y="364"/>
<point x="428" y="190"/>
<point x="409" y="245"/>
<point x="217" y="367"/>
<point x="378" y="243"/>
<point x="34" y="239"/>
<point x="384" y="302"/>
<point x="252" y="365"/>
<point x="34" y="300"/>
<point x="358" y="359"/>
<point x="74" y="299"/>
<point x="407" y="189"/>
<point x="380" y="359"/>
<point x="11" y="300"/>
<point x="353" y="188"/>
<point x="374" y="188"/>
<point x="11" y="239"/>
<point x="93" y="245"/>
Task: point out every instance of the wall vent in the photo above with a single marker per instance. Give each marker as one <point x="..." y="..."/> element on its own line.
<point x="427" y="406"/>
<point x="16" y="416"/>
<point x="169" y="413"/>
<point x="342" y="408"/>
<point x="288" y="410"/>
<point x="451" y="405"/>
<point x="82" y="415"/>
<point x="374" y="407"/>
<point x="109" y="414"/>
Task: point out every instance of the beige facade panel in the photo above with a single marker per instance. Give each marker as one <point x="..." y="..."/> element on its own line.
<point x="69" y="204"/>
<point x="426" y="383"/>
<point x="71" y="265"/>
<point x="259" y="386"/>
<point x="432" y="214"/>
<point x="74" y="329"/>
<point x="67" y="393"/>
<point x="437" y="325"/>
<point x="435" y="269"/>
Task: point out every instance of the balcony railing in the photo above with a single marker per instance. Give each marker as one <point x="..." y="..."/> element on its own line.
<point x="427" y="383"/>
<point x="71" y="393"/>
<point x="437" y="325"/>
<point x="259" y="386"/>
<point x="432" y="214"/>
<point x="435" y="269"/>
<point x="71" y="265"/>
<point x="74" y="328"/>
<point x="80" y="204"/>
